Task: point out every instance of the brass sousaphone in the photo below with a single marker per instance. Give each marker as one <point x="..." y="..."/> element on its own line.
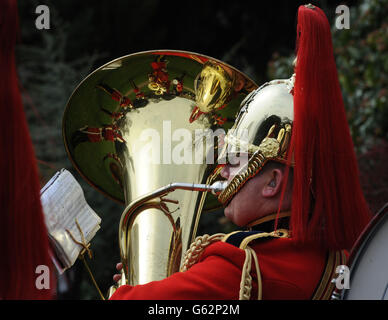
<point x="138" y="128"/>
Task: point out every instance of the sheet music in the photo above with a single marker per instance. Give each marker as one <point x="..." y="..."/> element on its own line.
<point x="63" y="201"/>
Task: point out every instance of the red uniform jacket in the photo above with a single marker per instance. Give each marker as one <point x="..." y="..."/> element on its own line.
<point x="287" y="271"/>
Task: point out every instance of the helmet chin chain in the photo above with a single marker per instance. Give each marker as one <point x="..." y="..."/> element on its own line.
<point x="255" y="164"/>
<point x="269" y="149"/>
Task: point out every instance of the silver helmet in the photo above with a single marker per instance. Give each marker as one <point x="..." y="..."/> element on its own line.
<point x="262" y="131"/>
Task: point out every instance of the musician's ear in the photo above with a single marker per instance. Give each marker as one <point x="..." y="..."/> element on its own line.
<point x="271" y="188"/>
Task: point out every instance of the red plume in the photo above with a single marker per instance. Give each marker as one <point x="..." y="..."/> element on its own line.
<point x="23" y="235"/>
<point x="328" y="205"/>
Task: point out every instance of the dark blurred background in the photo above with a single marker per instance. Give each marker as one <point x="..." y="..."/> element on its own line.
<point x="257" y="37"/>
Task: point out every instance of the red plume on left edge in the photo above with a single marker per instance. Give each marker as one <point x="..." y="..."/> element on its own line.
<point x="328" y="205"/>
<point x="23" y="235"/>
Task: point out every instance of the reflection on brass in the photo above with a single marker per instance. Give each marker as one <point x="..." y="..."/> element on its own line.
<point x="115" y="167"/>
<point x="213" y="87"/>
<point x="118" y="127"/>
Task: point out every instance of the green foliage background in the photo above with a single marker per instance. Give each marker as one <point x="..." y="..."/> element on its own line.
<point x="362" y="62"/>
<point x="48" y="76"/>
<point x="361" y="54"/>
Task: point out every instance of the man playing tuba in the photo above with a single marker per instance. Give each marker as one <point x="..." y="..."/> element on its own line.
<point x="298" y="195"/>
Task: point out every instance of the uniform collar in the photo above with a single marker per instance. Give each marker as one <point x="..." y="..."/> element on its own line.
<point x="267" y="223"/>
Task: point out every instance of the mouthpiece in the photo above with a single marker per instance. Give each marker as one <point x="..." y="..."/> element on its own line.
<point x="217" y="187"/>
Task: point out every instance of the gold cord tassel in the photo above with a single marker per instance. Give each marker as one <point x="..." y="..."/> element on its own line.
<point x="86" y="248"/>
